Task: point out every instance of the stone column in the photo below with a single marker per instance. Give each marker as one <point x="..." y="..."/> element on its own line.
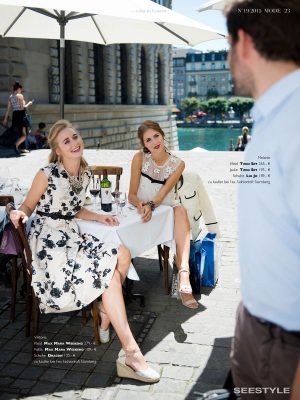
<point x="151" y="70"/>
<point x="91" y="73"/>
<point x="78" y="71"/>
<point x="53" y="73"/>
<point x="111" y="74"/>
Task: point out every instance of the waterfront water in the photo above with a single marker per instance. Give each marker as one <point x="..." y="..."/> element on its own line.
<point x="213" y="139"/>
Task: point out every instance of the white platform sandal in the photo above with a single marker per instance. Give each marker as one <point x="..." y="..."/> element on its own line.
<point x="147" y="375"/>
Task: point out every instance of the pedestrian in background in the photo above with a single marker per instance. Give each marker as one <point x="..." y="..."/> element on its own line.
<point x="264" y="58"/>
<point x="17" y="104"/>
<point x="243" y="139"/>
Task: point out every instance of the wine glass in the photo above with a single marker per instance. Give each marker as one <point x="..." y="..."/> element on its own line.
<point x="122" y="202"/>
<point x="116" y="194"/>
<point x="94" y="190"/>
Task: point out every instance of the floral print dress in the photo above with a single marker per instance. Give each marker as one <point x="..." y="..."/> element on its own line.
<point x="70" y="269"/>
<point x="153" y="176"/>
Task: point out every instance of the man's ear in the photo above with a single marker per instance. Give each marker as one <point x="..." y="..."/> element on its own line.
<point x="244" y="45"/>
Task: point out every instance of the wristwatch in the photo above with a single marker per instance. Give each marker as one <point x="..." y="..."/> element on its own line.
<point x="151" y="204"/>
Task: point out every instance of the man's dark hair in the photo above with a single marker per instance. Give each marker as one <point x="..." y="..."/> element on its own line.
<point x="42" y="125"/>
<point x="275" y="34"/>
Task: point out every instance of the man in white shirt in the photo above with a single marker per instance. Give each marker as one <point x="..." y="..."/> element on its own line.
<point x="264" y="58"/>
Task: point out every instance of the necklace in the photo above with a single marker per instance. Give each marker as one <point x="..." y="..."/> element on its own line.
<point x="76" y="182"/>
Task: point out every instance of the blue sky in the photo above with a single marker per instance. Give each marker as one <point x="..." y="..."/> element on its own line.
<point x="213" y="19"/>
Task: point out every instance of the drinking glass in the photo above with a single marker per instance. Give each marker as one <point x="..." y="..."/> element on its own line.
<point x="122" y="202"/>
<point x="116" y="196"/>
<point x="94" y="190"/>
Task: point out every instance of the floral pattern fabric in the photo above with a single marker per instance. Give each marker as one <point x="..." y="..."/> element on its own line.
<point x="70" y="269"/>
<point x="148" y="188"/>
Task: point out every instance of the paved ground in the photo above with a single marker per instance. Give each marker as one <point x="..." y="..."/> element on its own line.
<point x="190" y="348"/>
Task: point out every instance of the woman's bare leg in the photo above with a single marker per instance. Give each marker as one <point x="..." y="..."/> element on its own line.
<point x="20" y="141"/>
<point x="182" y="239"/>
<point x="114" y="307"/>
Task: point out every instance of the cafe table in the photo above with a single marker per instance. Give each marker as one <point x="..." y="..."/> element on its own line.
<point x="137" y="236"/>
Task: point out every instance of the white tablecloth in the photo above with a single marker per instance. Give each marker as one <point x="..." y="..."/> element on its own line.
<point x="132" y="232"/>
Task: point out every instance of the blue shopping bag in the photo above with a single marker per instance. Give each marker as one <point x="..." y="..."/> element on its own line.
<point x="210" y="272"/>
<point x="196" y="262"/>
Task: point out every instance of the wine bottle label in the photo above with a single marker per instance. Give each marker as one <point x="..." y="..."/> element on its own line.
<point x="106" y="195"/>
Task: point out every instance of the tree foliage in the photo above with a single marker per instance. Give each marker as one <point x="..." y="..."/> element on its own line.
<point x="241" y="105"/>
<point x="217" y="107"/>
<point x="190" y="104"/>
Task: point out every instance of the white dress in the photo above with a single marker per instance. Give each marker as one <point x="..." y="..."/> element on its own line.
<point x="154" y="176"/>
<point x="69" y="269"/>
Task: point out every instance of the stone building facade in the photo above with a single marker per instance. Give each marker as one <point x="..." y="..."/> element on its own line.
<point x="197" y="74"/>
<point x="109" y="90"/>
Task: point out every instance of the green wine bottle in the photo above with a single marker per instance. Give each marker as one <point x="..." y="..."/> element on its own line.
<point x="105" y="185"/>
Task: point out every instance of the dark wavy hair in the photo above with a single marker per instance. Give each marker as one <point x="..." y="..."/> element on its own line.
<point x="17" y="86"/>
<point x="272" y="24"/>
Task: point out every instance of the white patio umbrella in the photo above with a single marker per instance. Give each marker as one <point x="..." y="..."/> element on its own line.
<point x="99" y="21"/>
<point x="212" y="5"/>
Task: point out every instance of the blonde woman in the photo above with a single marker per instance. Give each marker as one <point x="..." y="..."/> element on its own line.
<point x="71" y="270"/>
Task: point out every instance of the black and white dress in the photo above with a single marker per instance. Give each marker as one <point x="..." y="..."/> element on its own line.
<point x="70" y="269"/>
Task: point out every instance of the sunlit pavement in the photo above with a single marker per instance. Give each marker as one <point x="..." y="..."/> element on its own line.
<point x="190" y="348"/>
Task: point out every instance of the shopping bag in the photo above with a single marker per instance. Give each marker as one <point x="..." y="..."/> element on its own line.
<point x="196" y="262"/>
<point x="210" y="272"/>
<point x="9" y="244"/>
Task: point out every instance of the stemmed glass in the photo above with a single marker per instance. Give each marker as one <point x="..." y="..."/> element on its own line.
<point x="116" y="196"/>
<point x="94" y="190"/>
<point x="122" y="202"/>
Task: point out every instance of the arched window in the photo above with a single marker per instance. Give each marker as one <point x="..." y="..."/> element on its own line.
<point x="143" y="76"/>
<point x="99" y="73"/>
<point x="124" y="74"/>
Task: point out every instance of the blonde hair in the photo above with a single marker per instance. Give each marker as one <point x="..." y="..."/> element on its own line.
<point x="52" y="141"/>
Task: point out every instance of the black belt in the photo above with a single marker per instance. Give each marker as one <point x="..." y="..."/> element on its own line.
<point x="55" y="215"/>
<point x="288" y="337"/>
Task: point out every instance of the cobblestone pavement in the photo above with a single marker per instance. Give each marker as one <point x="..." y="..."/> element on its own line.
<point x="190" y="348"/>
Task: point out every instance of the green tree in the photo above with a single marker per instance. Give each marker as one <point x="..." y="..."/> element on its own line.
<point x="217" y="107"/>
<point x="190" y="104"/>
<point x="212" y="93"/>
<point x="240" y="105"/>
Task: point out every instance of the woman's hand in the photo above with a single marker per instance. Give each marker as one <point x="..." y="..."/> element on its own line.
<point x="145" y="212"/>
<point x="17" y="215"/>
<point x="107" y="219"/>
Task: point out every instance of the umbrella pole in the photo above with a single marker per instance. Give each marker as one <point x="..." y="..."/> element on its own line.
<point x="62" y="24"/>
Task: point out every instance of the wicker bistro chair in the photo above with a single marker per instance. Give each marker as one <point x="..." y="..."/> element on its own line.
<point x="32" y="307"/>
<point x="13" y="260"/>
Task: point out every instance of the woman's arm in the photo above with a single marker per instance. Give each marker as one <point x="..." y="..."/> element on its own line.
<point x="38" y="187"/>
<point x="88" y="215"/>
<point x="169" y="185"/>
<point x="135" y="176"/>
<point x="7" y="112"/>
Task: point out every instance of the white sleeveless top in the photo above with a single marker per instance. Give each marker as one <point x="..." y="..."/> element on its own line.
<point x="154" y="176"/>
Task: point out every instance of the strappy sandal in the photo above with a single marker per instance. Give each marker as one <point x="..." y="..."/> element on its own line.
<point x="186" y="289"/>
<point x="148" y="375"/>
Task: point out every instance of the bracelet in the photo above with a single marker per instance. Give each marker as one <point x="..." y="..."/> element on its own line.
<point x="9" y="207"/>
<point x="151" y="204"/>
